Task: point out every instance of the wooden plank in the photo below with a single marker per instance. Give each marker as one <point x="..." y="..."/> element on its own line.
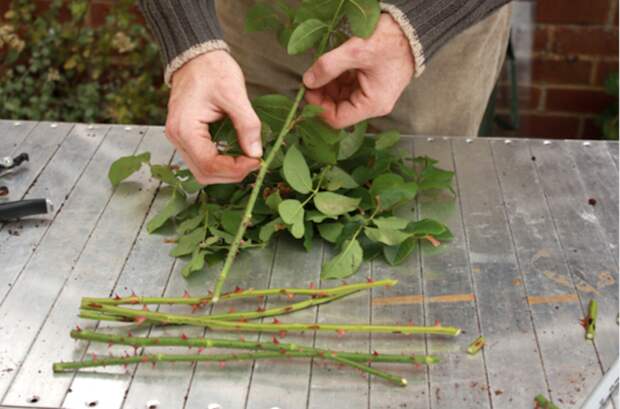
<point x="613" y="151"/>
<point x="408" y="274"/>
<point x="21" y="238"/>
<point x="229" y="387"/>
<point x="459" y="378"/>
<point x="328" y="383"/>
<point x="600" y="180"/>
<point x="27" y="305"/>
<point x="512" y="356"/>
<point x="546" y="278"/>
<point x="147" y="271"/>
<point x="12" y="133"/>
<point x="95" y="273"/>
<point x="285" y="385"/>
<point x="585" y="245"/>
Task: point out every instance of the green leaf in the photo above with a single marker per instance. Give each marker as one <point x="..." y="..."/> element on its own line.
<point x="318" y="217"/>
<point x="231" y="219"/>
<point x="339" y="179"/>
<point x="267" y="230"/>
<point x="126" y="166"/>
<point x="425" y="227"/>
<point x="393" y="222"/>
<point x="435" y="178"/>
<point x="310" y="111"/>
<point x="165" y="174"/>
<point x="296" y="171"/>
<point x="292" y="213"/>
<point x="188" y="243"/>
<point x="190" y="224"/>
<point x="273" y="109"/>
<point x="316" y="128"/>
<point x="387" y="139"/>
<point x="317" y="150"/>
<point x="274" y="200"/>
<point x="388" y="237"/>
<point x="392" y="190"/>
<point x="306" y="35"/>
<point x="323" y="10"/>
<point x="330" y="231"/>
<point x="175" y="205"/>
<point x="363" y="16"/>
<point x="395" y="255"/>
<point x="346" y="263"/>
<point x="197" y="263"/>
<point x="351" y="143"/>
<point x="261" y="17"/>
<point x="308" y="236"/>
<point x="333" y="204"/>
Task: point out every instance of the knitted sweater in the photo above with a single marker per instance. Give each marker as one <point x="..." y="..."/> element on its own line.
<point x="187" y="28"/>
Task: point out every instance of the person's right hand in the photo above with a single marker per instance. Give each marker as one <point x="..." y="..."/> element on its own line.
<point x="205" y="90"/>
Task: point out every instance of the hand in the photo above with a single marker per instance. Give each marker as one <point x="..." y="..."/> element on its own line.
<point x="205" y="90"/>
<point x="363" y="78"/>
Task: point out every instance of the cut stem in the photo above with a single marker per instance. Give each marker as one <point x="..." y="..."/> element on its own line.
<point x="238" y="344"/>
<point x="239" y="294"/>
<point x="206" y="321"/>
<point x="476" y="345"/>
<point x="544" y="403"/>
<point x="591" y="320"/>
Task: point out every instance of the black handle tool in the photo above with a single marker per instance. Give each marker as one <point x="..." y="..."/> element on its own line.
<point x="23" y="208"/>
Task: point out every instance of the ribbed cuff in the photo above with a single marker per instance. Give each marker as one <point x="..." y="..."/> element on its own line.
<point x="193" y="52"/>
<point x="414" y="42"/>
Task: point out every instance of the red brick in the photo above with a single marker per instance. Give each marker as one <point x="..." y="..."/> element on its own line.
<point x="577" y="100"/>
<point x="541" y="38"/>
<point x="572" y="12"/>
<point x="603" y="70"/>
<point x="591" y="130"/>
<point x="561" y="71"/>
<point x="548" y="126"/>
<point x="585" y="41"/>
<point x="529" y="97"/>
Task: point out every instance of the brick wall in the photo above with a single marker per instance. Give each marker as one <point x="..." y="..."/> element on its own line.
<point x="565" y="50"/>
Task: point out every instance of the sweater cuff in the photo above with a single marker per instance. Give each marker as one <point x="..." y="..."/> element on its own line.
<point x="414" y="42"/>
<point x="191" y="53"/>
<point x="184" y="29"/>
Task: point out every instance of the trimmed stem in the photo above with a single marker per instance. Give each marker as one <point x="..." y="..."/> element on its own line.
<point x="238" y="344"/>
<point x="476" y="345"/>
<point x="591" y="320"/>
<point x="239" y="294"/>
<point x="544" y="403"/>
<point x="205" y="321"/>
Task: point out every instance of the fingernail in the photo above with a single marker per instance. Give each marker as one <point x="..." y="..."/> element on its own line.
<point x="256" y="149"/>
<point x="309" y="78"/>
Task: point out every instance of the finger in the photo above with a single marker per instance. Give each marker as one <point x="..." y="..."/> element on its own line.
<point x="333" y="64"/>
<point x="246" y="124"/>
<point x="318" y="97"/>
<point x="208" y="166"/>
<point x="350" y="111"/>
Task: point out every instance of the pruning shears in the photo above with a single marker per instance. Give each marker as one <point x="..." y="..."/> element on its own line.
<point x="20" y="208"/>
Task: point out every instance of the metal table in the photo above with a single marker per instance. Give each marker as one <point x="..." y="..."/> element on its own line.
<point x="528" y="255"/>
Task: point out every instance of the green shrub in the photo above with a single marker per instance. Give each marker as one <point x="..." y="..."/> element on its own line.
<point x="608" y="120"/>
<point x="53" y="69"/>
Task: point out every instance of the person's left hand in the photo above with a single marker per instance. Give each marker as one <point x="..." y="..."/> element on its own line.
<point x="363" y="78"/>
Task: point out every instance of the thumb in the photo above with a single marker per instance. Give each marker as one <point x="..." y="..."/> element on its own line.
<point x="332" y="64"/>
<point x="248" y="128"/>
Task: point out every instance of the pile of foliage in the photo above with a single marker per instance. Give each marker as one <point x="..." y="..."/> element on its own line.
<point x="608" y="120"/>
<point x="55" y="65"/>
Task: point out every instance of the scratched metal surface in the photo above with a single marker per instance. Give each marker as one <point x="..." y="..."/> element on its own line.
<point x="528" y="255"/>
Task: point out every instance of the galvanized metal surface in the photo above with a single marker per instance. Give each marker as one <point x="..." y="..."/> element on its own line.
<point x="529" y="253"/>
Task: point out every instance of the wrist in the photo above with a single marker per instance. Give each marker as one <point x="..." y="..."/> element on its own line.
<point x="181" y="60"/>
<point x="409" y="32"/>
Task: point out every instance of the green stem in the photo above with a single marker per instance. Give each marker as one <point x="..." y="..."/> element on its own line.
<point x="238" y="344"/>
<point x="286" y="128"/>
<point x="240" y="294"/>
<point x="476" y="345"/>
<point x="206" y="321"/>
<point x="591" y="320"/>
<point x="544" y="403"/>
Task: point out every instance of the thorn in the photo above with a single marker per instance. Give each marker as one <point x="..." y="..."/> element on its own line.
<point x="186" y="294"/>
<point x="133" y="294"/>
<point x="110" y="345"/>
<point x="312" y="285"/>
<point x="156" y="341"/>
<point x="282" y="334"/>
<point x="145" y="359"/>
<point x="276" y="321"/>
<point x="340" y="332"/>
<point x="183" y="336"/>
<point x="129" y="334"/>
<point x="290" y="296"/>
<point x="145" y="308"/>
<point x="78" y="329"/>
<point x="437" y="323"/>
<point x="139" y="320"/>
<point x="260" y="309"/>
<point x="116" y="296"/>
<point x="222" y="364"/>
<point x="153" y="364"/>
<point x="433" y="240"/>
<point x="231" y="310"/>
<point x="200" y="350"/>
<point x="195" y="307"/>
<point x="94" y="357"/>
<point x="275" y="340"/>
<point x="375" y="353"/>
<point x="370" y="280"/>
<point x="242" y="339"/>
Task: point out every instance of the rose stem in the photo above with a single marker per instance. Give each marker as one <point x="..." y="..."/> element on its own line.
<point x="476" y="345"/>
<point x="238" y="344"/>
<point x="205" y="321"/>
<point x="154" y="358"/>
<point x="286" y="128"/>
<point x="205" y="300"/>
<point x="591" y="320"/>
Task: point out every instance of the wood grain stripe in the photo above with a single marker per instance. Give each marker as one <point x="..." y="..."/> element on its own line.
<point x="552" y="299"/>
<point x="418" y="299"/>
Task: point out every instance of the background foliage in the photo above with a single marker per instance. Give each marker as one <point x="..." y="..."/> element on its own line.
<point x="54" y="68"/>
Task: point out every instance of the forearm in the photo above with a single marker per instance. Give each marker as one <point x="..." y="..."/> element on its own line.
<point x="184" y="29"/>
<point x="429" y="24"/>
